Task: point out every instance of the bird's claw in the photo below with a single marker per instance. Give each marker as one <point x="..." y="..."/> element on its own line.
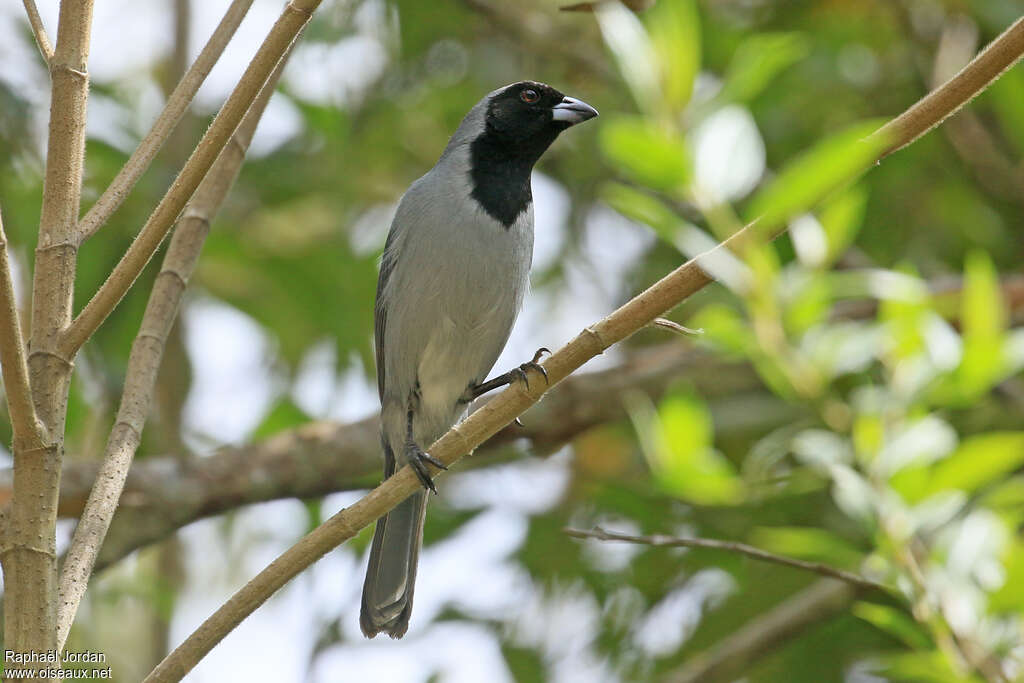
<point x="533" y="365"/>
<point x="418" y="458"/>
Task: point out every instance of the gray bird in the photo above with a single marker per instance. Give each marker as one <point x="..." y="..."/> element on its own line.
<point x="452" y="280"/>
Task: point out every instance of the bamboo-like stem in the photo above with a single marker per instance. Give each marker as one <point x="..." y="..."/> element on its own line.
<point x="28" y="432"/>
<point x="144" y="360"/>
<point x="947" y="99"/>
<point x="281" y="35"/>
<point x="42" y="40"/>
<point x="464" y="437"/>
<point x="733" y="547"/>
<point x="29" y="554"/>
<point x="176" y="106"/>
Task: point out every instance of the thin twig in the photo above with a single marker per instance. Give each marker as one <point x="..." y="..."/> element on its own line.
<point x="732" y="547"/>
<point x="509" y="404"/>
<point x="176" y="106"/>
<point x="144" y="360"/>
<point x="42" y="40"/>
<point x="288" y="25"/>
<point x="760" y="636"/>
<point x="28" y="432"/>
<point x="667" y="324"/>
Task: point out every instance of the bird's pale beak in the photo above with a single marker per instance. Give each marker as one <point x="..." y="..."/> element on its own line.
<point x="572" y="111"/>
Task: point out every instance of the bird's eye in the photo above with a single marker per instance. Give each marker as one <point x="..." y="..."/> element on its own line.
<point x="529" y="96"/>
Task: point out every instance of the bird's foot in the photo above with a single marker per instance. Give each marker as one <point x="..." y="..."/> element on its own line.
<point x="419" y="458"/>
<point x="520" y="373"/>
<point x="533" y="365"/>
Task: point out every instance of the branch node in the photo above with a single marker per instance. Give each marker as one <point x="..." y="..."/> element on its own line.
<point x="301" y="11"/>
<point x="466" y="447"/>
<point x="79" y="73"/>
<point x="67" y="364"/>
<point x="591" y="331"/>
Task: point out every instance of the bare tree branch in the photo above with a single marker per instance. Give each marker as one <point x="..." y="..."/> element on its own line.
<point x="144" y="360"/>
<point x="732" y="656"/>
<point x="29" y="555"/>
<point x="281" y="35"/>
<point x="164" y="494"/>
<point x="42" y="40"/>
<point x="512" y="402"/>
<point x="28" y="432"/>
<point x="732" y="547"/>
<point x="947" y="99"/>
<point x="176" y="106"/>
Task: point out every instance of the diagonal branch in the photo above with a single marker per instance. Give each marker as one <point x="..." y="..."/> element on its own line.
<point x="728" y="659"/>
<point x="144" y="360"/>
<point x="947" y="99"/>
<point x="512" y="402"/>
<point x="42" y="40"/>
<point x="164" y="494"/>
<point x="164" y="125"/>
<point x="281" y="35"/>
<point x="28" y="432"/>
<point x="733" y="547"/>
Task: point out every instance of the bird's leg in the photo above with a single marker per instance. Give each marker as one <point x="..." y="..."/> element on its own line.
<point x="417" y="456"/>
<point x="512" y="375"/>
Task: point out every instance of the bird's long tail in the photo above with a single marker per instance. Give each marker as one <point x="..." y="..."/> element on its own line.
<point x="391" y="575"/>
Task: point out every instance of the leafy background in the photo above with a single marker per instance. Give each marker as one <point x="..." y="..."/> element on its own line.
<point x="876" y="424"/>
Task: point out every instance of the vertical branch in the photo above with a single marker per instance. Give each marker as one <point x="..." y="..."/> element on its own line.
<point x="110" y="293"/>
<point x="29" y="554"/>
<point x="177" y="104"/>
<point x="144" y="361"/>
<point x="28" y="432"/>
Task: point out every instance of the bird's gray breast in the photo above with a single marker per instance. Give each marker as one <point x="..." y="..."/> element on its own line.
<point x="457" y="283"/>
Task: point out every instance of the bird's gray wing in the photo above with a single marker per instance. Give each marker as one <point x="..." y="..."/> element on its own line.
<point x="380" y="313"/>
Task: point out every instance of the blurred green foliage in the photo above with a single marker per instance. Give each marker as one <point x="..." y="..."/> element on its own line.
<point x="885" y="328"/>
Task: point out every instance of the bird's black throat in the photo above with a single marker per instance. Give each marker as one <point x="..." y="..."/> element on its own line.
<point x="500" y="168"/>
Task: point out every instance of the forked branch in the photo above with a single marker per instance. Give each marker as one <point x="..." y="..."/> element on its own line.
<point x="281" y="35"/>
<point x="144" y="361"/>
<point x="176" y="106"/>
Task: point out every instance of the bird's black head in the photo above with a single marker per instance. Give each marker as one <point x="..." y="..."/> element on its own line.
<point x="520" y="122"/>
<point x="528" y="116"/>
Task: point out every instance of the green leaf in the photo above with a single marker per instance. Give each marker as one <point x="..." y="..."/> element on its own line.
<point x="983" y="316"/>
<point x="284" y="415"/>
<point x="807" y="543"/>
<point x="674" y="28"/>
<point x="1010" y="597"/>
<point x="634" y="53"/>
<point x="979" y="460"/>
<point x="677" y="441"/>
<point x="642" y="207"/>
<point x="725" y="328"/>
<point x="758" y="60"/>
<point x="652" y="155"/>
<point x="823" y="169"/>
<point x="1006" y="96"/>
<point x="894" y="622"/>
<point x="841" y="218"/>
